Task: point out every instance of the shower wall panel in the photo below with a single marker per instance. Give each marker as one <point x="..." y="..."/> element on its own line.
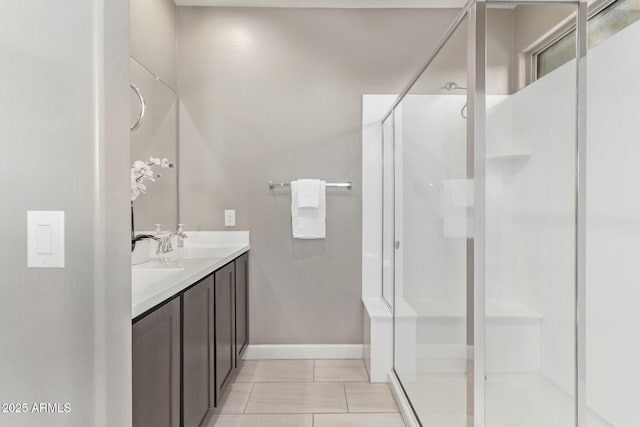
<point x="613" y="229"/>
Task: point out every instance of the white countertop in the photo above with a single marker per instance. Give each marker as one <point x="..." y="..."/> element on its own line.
<point x="160" y="279"/>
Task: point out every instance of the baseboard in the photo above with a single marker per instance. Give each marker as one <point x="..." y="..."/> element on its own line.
<point x="304" y="351"/>
<point x="408" y="416"/>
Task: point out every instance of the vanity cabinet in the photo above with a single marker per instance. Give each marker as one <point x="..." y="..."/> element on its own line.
<point x="224" y="306"/>
<point x="156" y="367"/>
<point x="241" y="305"/>
<point x="198" y="352"/>
<point x="185" y="350"/>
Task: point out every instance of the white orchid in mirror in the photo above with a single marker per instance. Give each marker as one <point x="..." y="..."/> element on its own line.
<point x="143" y="171"/>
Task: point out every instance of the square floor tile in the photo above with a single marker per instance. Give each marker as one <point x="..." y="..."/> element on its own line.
<point x="291" y="420"/>
<point x="297" y="398"/>
<point x="366" y="397"/>
<point x="234" y="399"/>
<point x="358" y="420"/>
<point x="261" y="371"/>
<point x="340" y="370"/>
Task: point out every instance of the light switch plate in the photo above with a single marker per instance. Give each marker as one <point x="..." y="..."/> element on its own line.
<point x="45" y="239"/>
<point x="230" y="218"/>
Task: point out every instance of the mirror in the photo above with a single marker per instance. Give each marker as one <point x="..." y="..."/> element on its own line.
<point x="156" y="136"/>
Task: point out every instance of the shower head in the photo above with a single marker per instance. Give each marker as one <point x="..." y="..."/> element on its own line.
<point x="453" y="86"/>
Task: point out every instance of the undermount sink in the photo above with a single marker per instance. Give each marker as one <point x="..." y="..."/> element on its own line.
<point x="178" y="257"/>
<point x="166" y="264"/>
<point x="199" y="253"/>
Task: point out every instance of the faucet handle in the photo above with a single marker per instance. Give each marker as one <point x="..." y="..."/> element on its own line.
<point x="181" y="235"/>
<point x="158" y="229"/>
<point x="164" y="244"/>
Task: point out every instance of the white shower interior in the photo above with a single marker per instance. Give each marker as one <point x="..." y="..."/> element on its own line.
<point x="530" y="233"/>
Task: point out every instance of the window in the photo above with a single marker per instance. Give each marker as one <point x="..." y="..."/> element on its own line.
<point x="604" y="23"/>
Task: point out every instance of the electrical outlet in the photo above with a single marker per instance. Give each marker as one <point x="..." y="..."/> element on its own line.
<point x="230" y="218"/>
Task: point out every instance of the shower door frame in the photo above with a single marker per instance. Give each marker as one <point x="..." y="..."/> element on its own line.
<point x="476" y="12"/>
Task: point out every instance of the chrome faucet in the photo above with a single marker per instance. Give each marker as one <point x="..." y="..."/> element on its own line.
<point x="164" y="241"/>
<point x="164" y="244"/>
<point x="139" y="237"/>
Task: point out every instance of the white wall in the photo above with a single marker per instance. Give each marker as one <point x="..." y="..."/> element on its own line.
<point x="433" y="140"/>
<point x="64" y="145"/>
<point x="613" y="229"/>
<point x="434" y="149"/>
<point x="530" y="211"/>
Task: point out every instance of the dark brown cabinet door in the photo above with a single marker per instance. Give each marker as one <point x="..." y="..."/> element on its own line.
<point x="156" y="368"/>
<point x="242" y="282"/>
<point x="224" y="286"/>
<point x="198" y="353"/>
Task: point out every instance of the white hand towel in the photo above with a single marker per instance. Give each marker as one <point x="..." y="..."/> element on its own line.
<point x="456" y="203"/>
<point x="309" y="192"/>
<point x="308" y="222"/>
<point x="461" y="192"/>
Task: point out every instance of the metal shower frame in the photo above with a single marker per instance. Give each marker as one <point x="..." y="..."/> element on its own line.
<point x="476" y="13"/>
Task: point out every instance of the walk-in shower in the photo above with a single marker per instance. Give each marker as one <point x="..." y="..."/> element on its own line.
<point x="507" y="253"/>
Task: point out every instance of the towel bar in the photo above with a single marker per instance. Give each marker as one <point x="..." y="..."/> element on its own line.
<point x="346" y="185"/>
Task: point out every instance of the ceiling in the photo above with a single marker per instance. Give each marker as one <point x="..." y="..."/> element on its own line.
<point x="327" y="3"/>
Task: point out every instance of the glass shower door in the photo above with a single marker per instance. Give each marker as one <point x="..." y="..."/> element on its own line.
<point x="433" y="215"/>
<point x="530" y="233"/>
<point x="489" y="308"/>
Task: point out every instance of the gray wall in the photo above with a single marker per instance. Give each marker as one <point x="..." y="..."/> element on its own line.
<point x="276" y="94"/>
<point x="64" y="145"/>
<point x="153" y="37"/>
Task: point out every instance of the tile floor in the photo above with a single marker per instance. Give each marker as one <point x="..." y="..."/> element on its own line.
<point x="439" y="399"/>
<point x="306" y="393"/>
